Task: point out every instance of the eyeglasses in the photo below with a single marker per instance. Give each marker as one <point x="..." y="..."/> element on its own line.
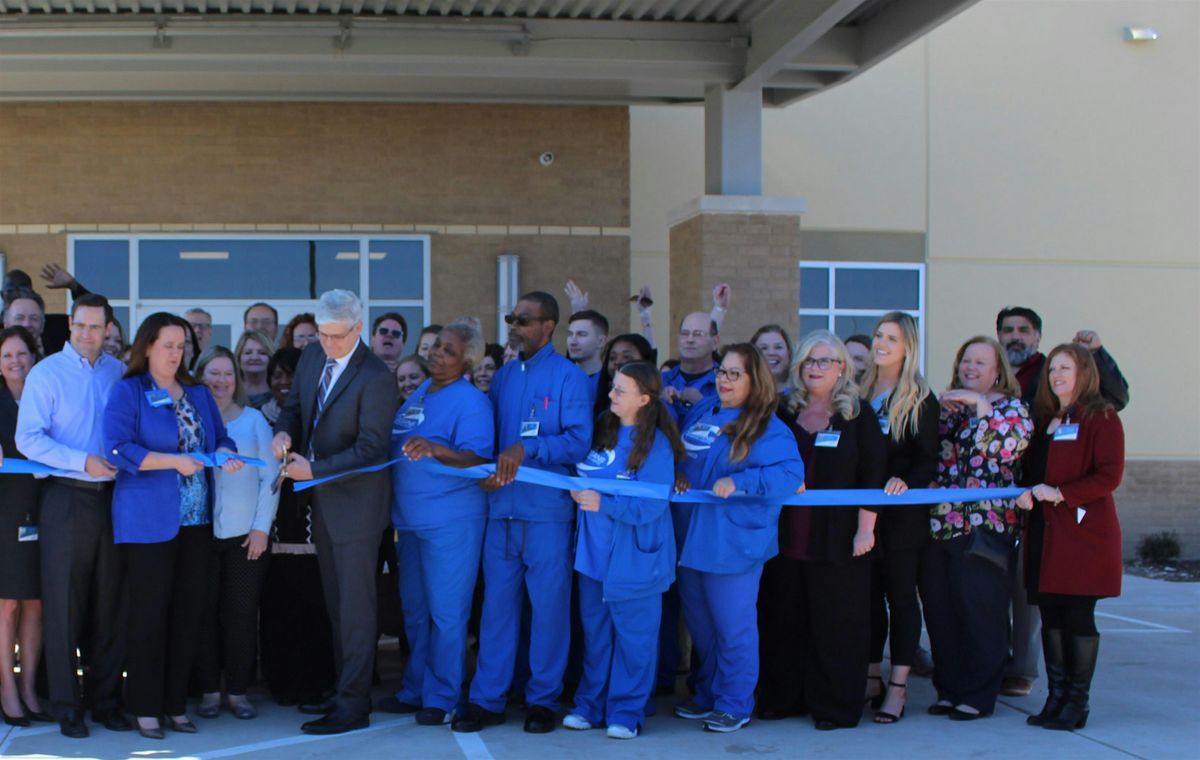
<point x="381" y="330"/>
<point x="732" y="375"/>
<point x="824" y="362"/>
<point x="694" y="333"/>
<point x="334" y="336"/>
<point x="522" y="320"/>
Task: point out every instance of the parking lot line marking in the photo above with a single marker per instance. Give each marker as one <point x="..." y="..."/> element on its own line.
<point x="1157" y="626"/>
<point x="472" y="746"/>
<point x="288" y="741"/>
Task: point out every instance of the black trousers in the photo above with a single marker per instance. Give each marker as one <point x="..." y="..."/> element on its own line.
<point x="894" y="590"/>
<point x="348" y="579"/>
<point x="297" y="642"/>
<point x="813" y="621"/>
<point x="966" y="613"/>
<point x="229" y="641"/>
<point x="81" y="571"/>
<point x="168" y="591"/>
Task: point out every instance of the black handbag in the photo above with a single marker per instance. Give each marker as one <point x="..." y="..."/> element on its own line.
<point x="990" y="546"/>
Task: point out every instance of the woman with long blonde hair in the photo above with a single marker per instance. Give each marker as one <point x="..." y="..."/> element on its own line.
<point x="814" y="600"/>
<point x="908" y="417"/>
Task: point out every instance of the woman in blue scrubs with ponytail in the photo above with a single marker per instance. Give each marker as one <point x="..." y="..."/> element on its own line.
<point x="742" y="452"/>
<point x="439" y="521"/>
<point x="624" y="554"/>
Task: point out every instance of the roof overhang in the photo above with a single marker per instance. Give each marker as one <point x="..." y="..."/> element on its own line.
<point x="549" y="51"/>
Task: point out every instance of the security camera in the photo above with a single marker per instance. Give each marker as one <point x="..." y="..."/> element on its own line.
<point x="546" y="158"/>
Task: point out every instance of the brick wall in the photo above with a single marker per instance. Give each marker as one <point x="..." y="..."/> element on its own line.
<point x="1158" y="495"/>
<point x="757" y="254"/>
<point x="468" y="174"/>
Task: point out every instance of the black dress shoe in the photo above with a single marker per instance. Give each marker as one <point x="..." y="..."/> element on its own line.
<point x="390" y="704"/>
<point x="957" y="714"/>
<point x="937" y="709"/>
<point x="432" y="716"/>
<point x="21" y="721"/>
<point x="335" y="723"/>
<point x="152" y="733"/>
<point x="183" y="725"/>
<point x="71" y="724"/>
<point x="475" y="718"/>
<point x="113" y="720"/>
<point x="826" y="725"/>
<point x="318" y="708"/>
<point x="540" y="720"/>
<point x="772" y="714"/>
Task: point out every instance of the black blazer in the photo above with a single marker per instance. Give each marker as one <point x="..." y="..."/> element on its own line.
<point x="354" y="431"/>
<point x="913" y="459"/>
<point x="858" y="461"/>
<point x="20" y="491"/>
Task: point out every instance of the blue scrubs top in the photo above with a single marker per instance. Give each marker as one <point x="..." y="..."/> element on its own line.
<point x="706" y="384"/>
<point x="458" y="417"/>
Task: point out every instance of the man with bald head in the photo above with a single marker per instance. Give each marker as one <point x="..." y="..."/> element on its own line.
<point x="694" y="379"/>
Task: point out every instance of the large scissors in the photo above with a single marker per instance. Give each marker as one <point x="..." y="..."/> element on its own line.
<point x="282" y="472"/>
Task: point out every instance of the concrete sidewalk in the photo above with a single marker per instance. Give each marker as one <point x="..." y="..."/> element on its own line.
<point x="1145" y="703"/>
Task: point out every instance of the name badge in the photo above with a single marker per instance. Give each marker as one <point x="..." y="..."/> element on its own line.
<point x="26" y="533"/>
<point x="885" y="425"/>
<point x="828" y="439"/>
<point x="529" y="428"/>
<point x="1067" y="432"/>
<point x="157" y="397"/>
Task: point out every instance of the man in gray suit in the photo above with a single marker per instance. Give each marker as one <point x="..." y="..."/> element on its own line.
<point x="338" y="417"/>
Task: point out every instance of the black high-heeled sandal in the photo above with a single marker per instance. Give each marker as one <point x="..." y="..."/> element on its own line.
<point x="887" y="717"/>
<point x="877" y="699"/>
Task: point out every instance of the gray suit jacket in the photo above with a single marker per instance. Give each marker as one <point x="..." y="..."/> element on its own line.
<point x="354" y="431"/>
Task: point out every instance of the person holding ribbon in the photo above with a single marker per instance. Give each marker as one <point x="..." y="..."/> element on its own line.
<point x="439" y="521"/>
<point x="748" y="458"/>
<point x="20" y="576"/>
<point x="814" y="612"/>
<point x="908" y="416"/>
<point x="158" y="424"/>
<point x="624" y="554"/>
<point x="542" y="406"/>
<point x="1073" y="539"/>
<point x="964" y="577"/>
<point x="243" y="510"/>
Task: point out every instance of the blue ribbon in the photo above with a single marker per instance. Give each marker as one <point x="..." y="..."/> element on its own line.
<point x="27" y="467"/>
<point x="834" y="497"/>
<point x="219" y="458"/>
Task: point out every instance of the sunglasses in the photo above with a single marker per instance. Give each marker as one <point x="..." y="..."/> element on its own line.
<point x="523" y="320"/>
<point x="381" y="330"/>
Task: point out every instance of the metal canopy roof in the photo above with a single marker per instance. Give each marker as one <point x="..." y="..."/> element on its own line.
<point x="551" y="51"/>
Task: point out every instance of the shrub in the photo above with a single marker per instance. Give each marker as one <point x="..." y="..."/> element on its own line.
<point x="1160" y="548"/>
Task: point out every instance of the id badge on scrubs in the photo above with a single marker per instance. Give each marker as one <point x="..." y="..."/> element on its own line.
<point x="158" y="397"/>
<point x="828" y="439"/>
<point x="26" y="533"/>
<point x="885" y="425"/>
<point x="529" y="428"/>
<point x="1067" y="432"/>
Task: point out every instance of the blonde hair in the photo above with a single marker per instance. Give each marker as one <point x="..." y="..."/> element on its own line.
<point x="904" y="402"/>
<point x="845" y="391"/>
<point x="220" y="352"/>
<point x="1006" y="381"/>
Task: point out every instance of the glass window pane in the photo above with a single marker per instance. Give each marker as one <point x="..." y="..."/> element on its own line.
<point x="121" y="314"/>
<point x="847" y="326"/>
<point x="397" y="269"/>
<point x="814" y="288"/>
<point x="102" y="266"/>
<point x="256" y="269"/>
<point x="413" y="315"/>
<point x="877" y="289"/>
<point x="810" y="322"/>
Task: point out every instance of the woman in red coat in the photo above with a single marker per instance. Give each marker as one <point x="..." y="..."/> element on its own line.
<point x="1073" y="547"/>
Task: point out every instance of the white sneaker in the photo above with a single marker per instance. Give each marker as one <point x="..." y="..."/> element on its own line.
<point x="577" y="722"/>
<point x="620" y="732"/>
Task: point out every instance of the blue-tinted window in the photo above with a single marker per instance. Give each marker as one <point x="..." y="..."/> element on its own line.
<point x="844" y="327"/>
<point x="810" y="322"/>
<point x="237" y="269"/>
<point x="397" y="269"/>
<point x="876" y="289"/>
<point x="814" y="288"/>
<point x="102" y="266"/>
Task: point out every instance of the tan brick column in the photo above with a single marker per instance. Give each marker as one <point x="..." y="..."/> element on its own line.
<point x="750" y="242"/>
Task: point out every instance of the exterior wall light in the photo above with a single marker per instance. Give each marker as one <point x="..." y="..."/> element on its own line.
<point x="1140" y="34"/>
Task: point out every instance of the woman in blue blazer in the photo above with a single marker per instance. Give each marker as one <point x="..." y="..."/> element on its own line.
<point x="624" y="554"/>
<point x="736" y="448"/>
<point x="157" y="418"/>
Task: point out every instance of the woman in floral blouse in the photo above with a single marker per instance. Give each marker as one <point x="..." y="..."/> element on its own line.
<point x="984" y="430"/>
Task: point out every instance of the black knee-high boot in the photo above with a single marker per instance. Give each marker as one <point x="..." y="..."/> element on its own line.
<point x="1074" y="714"/>
<point x="1056" y="676"/>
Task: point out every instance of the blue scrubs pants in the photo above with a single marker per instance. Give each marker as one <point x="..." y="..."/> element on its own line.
<point x="721" y="614"/>
<point x="520" y="555"/>
<point x="620" y="641"/>
<point x="437" y="569"/>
